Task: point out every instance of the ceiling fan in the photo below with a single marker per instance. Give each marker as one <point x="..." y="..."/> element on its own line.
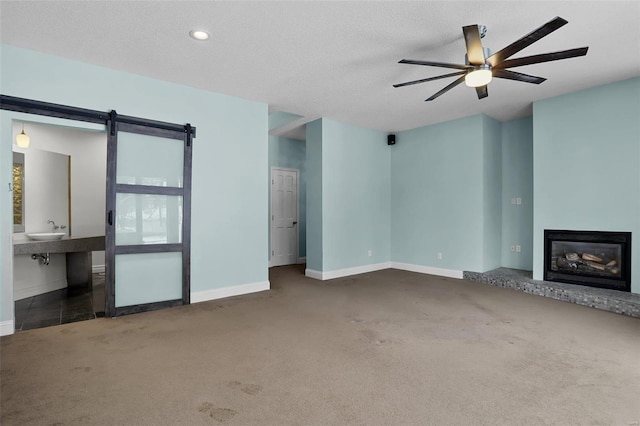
<point x="481" y="66"/>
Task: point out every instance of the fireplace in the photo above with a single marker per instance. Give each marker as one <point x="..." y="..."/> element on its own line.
<point x="591" y="258"/>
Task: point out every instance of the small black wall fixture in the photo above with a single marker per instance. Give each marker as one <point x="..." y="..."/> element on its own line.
<point x="391" y="139"/>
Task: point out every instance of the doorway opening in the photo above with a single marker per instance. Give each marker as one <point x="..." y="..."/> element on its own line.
<point x="61" y="190"/>
<point x="287" y="174"/>
<point x="145" y="217"/>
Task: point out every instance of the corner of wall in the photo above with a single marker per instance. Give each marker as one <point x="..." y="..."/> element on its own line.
<point x="7" y="327"/>
<point x="314" y="195"/>
<point x="517" y="193"/>
<point x="6" y="225"/>
<point x="492" y="193"/>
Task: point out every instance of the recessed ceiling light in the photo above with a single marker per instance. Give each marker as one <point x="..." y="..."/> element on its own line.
<point x="199" y="35"/>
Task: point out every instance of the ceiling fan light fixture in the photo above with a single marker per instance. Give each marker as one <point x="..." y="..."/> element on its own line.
<point x="480" y="76"/>
<point x="479" y="62"/>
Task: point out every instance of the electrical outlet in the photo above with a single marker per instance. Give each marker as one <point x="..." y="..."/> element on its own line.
<point x="513" y="201"/>
<point x="513" y="248"/>
<point x="369" y="253"/>
<point x="518" y="201"/>
<point x="517" y="249"/>
<point x="439" y="256"/>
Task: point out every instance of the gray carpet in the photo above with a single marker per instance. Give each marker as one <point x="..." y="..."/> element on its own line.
<point x="385" y="348"/>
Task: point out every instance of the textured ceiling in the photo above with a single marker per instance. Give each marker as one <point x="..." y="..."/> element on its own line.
<point x="335" y="59"/>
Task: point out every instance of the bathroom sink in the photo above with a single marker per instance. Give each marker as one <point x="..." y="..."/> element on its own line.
<point x="46" y="236"/>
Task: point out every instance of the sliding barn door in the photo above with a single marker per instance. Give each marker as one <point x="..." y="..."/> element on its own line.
<point x="148" y="216"/>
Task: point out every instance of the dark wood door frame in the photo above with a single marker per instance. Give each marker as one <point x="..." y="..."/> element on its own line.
<point x="115" y="127"/>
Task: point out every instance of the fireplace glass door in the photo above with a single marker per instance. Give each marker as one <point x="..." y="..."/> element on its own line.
<point x="592" y="258"/>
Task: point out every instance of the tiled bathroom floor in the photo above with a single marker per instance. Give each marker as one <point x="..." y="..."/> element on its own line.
<point x="61" y="306"/>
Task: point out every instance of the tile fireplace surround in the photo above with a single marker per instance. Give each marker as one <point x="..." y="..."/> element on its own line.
<point x="620" y="302"/>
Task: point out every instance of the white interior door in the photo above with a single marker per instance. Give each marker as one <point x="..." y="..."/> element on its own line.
<point x="284" y="216"/>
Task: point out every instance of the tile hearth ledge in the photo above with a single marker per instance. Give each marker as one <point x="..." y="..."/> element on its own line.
<point x="620" y="302"/>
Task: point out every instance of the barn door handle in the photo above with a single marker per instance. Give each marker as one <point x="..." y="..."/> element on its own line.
<point x="110" y="217"/>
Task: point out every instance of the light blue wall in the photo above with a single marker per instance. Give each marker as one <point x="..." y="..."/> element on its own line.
<point x="517" y="182"/>
<point x="6" y="222"/>
<point x="292" y="154"/>
<point x="437" y="195"/>
<point x="229" y="198"/>
<point x="280" y="118"/>
<point x="586" y="165"/>
<point x="492" y="193"/>
<point x="356" y="192"/>
<point x="442" y="188"/>
<point x="314" y="196"/>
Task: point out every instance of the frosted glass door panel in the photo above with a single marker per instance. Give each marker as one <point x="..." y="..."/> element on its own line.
<point x="149" y="160"/>
<point x="148" y="219"/>
<point x="148" y="278"/>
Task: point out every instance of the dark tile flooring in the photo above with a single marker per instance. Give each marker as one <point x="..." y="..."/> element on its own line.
<point x="61" y="306"/>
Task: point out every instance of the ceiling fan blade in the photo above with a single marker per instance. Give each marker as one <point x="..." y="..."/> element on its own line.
<point x="424" y="80"/>
<point x="482" y="91"/>
<point x="475" y="54"/>
<point x="545" y="57"/>
<point x="512" y="75"/>
<point x="525" y="41"/>
<point x="435" y="64"/>
<point x="446" y="89"/>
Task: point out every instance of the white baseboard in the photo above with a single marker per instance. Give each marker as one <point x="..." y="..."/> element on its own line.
<point x="339" y="273"/>
<point x="97" y="269"/>
<point x="221" y="293"/>
<point x="311" y="273"/>
<point x="451" y="273"/>
<point x="7" y="327"/>
<point x="25" y="290"/>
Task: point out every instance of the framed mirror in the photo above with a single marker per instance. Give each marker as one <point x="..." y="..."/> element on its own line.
<point x="18" y="192"/>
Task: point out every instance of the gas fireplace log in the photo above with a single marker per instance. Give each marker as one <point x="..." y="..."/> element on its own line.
<point x="590" y="257"/>
<point x="566" y="264"/>
<point x="598" y="266"/>
<point x="582" y="260"/>
<point x="612" y="263"/>
<point x="572" y="257"/>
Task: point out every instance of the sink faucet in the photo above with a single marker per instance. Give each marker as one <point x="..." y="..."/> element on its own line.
<point x="56" y="227"/>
